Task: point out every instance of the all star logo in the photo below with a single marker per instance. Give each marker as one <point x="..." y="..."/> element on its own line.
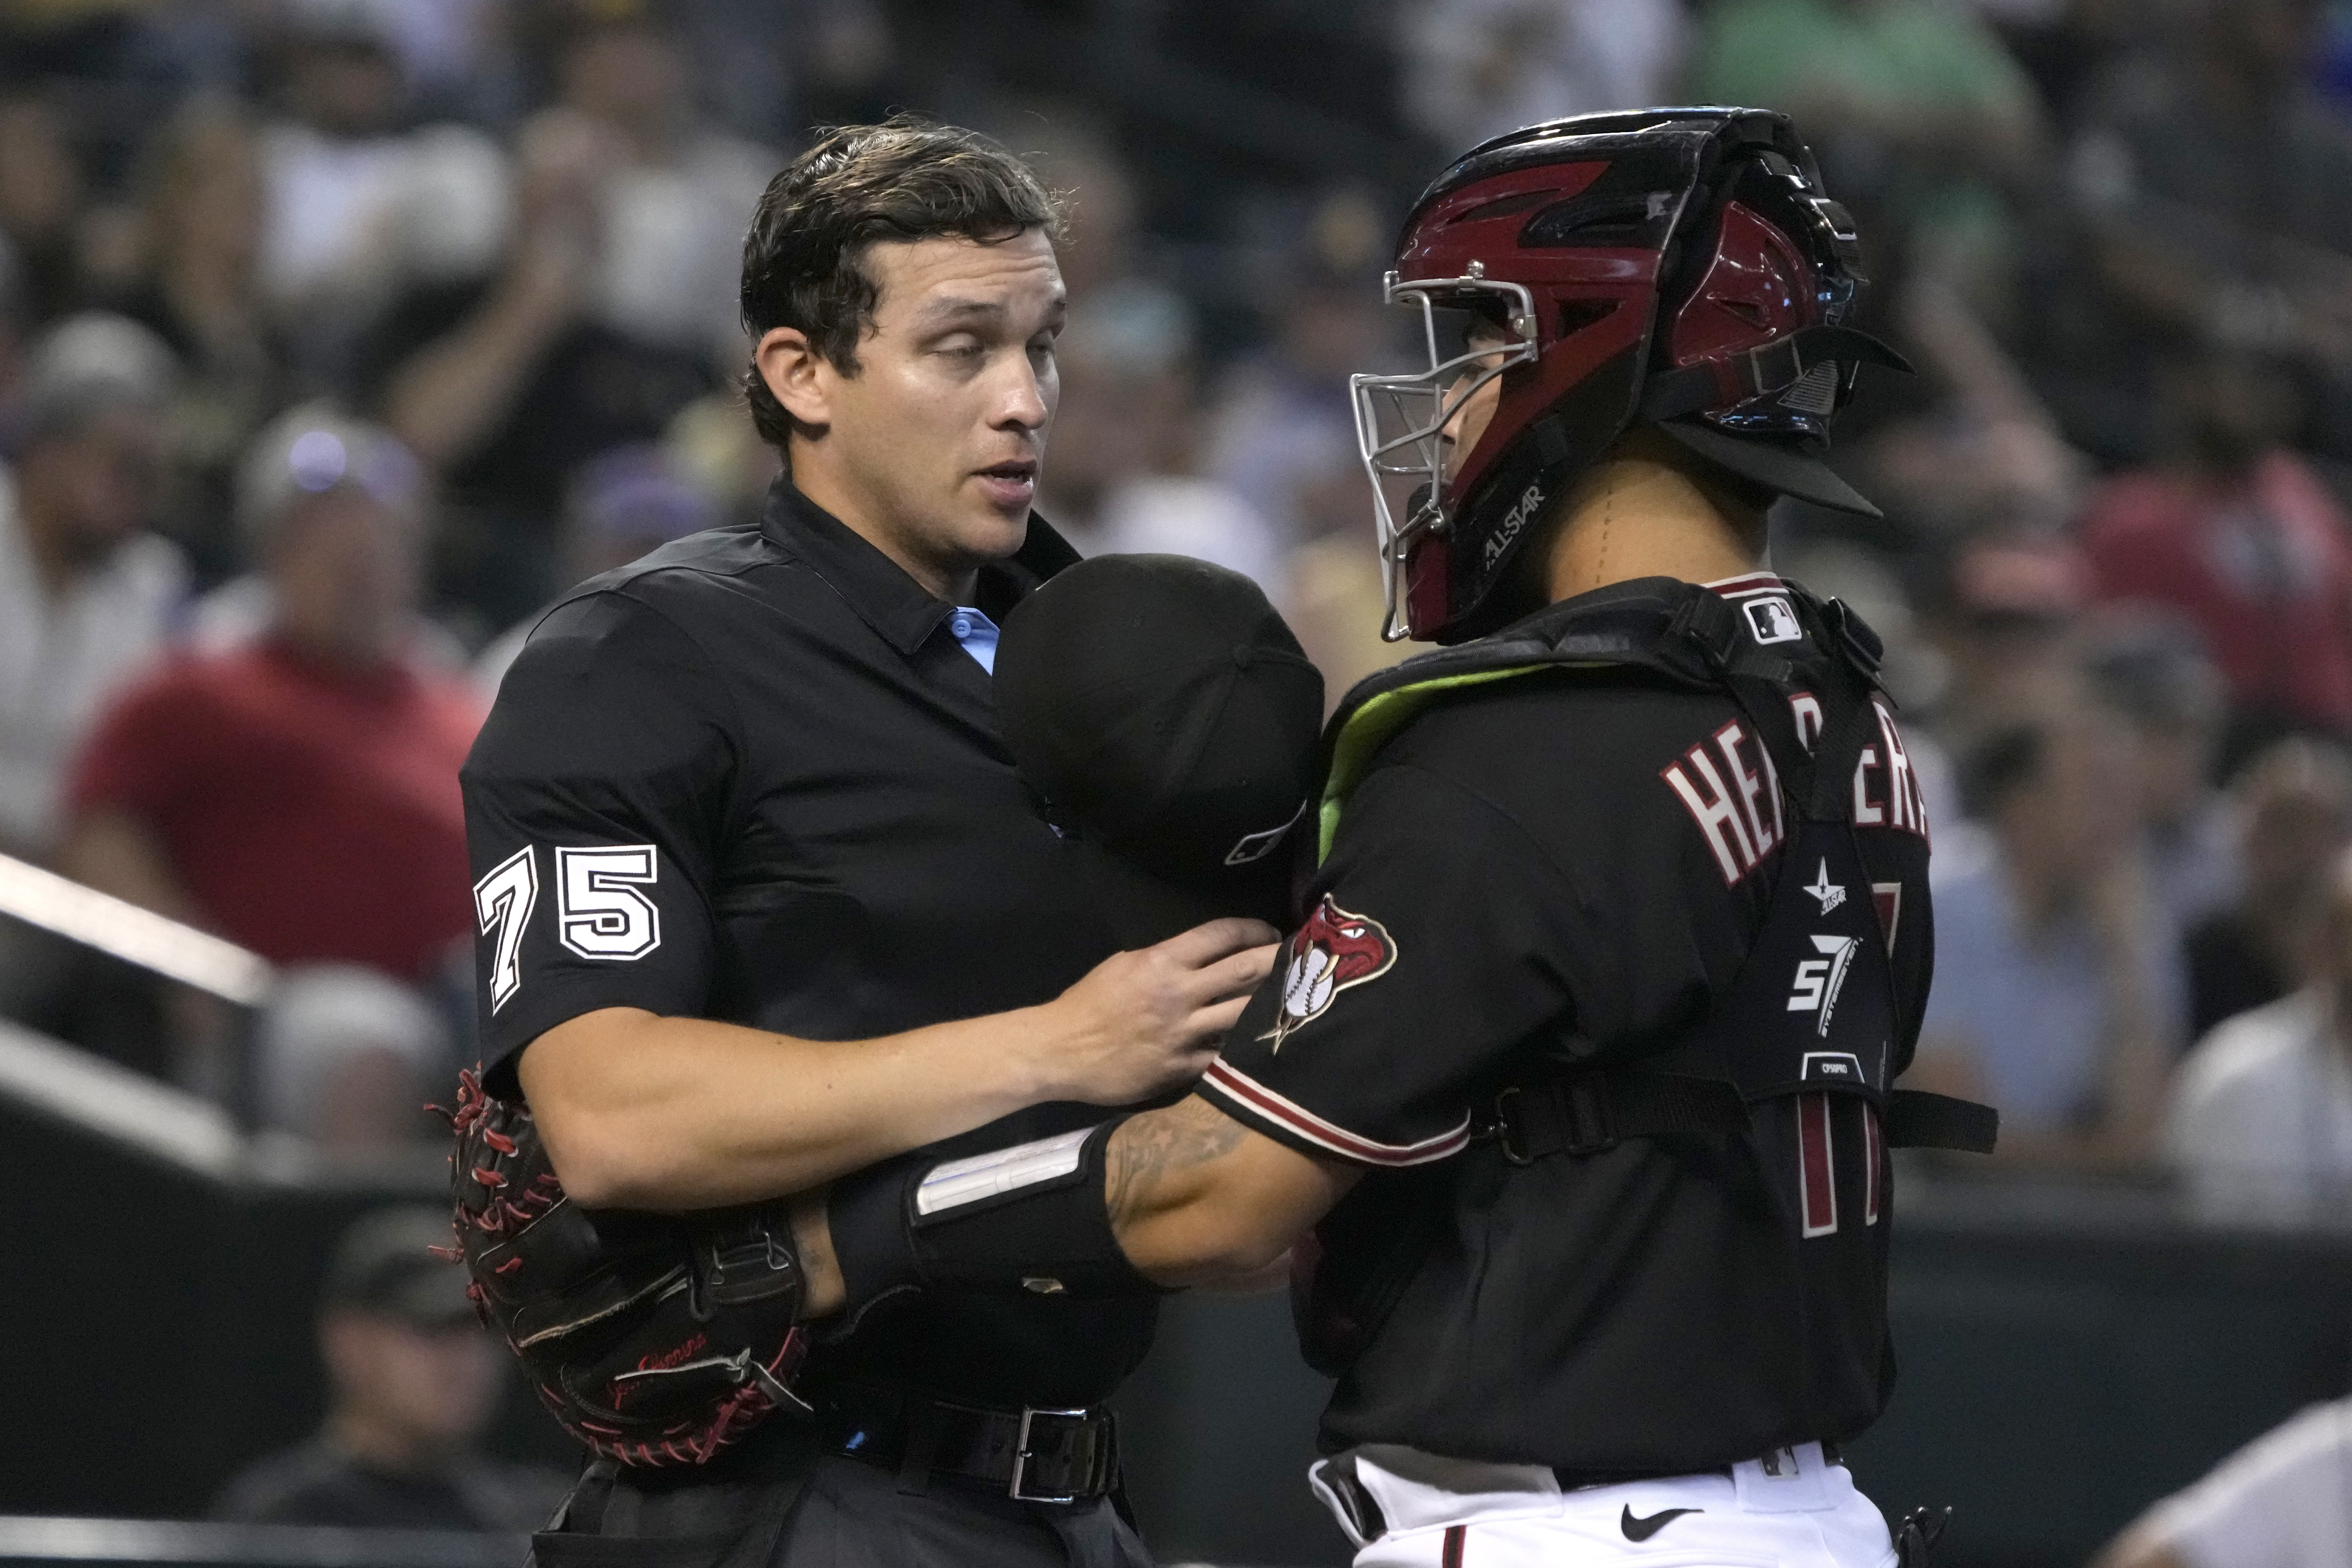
<point x="1333" y="951"/>
<point x="1513" y="520"/>
<point x="1830" y="894"/>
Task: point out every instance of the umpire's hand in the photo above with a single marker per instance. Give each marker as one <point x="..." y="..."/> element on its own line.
<point x="672" y="1114"/>
<point x="1148" y="1021"/>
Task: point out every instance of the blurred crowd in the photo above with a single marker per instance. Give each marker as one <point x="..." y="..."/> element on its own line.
<point x="337" y="337"/>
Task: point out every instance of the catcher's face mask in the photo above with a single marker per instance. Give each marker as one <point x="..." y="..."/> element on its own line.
<point x="1408" y="426"/>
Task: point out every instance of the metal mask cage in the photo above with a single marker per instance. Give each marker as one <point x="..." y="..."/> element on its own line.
<point x="1401" y="422"/>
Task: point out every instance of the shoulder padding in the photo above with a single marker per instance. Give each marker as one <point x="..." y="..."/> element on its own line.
<point x="1683" y="634"/>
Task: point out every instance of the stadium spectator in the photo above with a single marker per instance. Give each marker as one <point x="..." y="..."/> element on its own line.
<point x="2009" y="609"/>
<point x="1124" y="476"/>
<point x="2260" y="1122"/>
<point x="41" y="197"/>
<point x="413" y="1382"/>
<point x="1476" y="69"/>
<point x="612" y="311"/>
<point x="1122" y="443"/>
<point x="2153" y="674"/>
<point x="2283" y="1501"/>
<point x="2293" y="810"/>
<point x="674" y="202"/>
<point x="1916" y="111"/>
<point x="2219" y="138"/>
<point x="86" y="592"/>
<point x="1977" y="448"/>
<point x="1334" y="598"/>
<point x="2067" y="46"/>
<point x="2209" y="198"/>
<point x="2240" y="537"/>
<point x="1283" y="437"/>
<point x="348" y="1058"/>
<point x="629" y="503"/>
<point x="448" y="49"/>
<point x="714" y="447"/>
<point x="1121" y="304"/>
<point x="299" y="795"/>
<point x="199" y="288"/>
<point x="2058" y="990"/>
<point x="358" y="208"/>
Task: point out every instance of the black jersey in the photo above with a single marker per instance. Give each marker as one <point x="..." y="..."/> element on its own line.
<point x="1575" y="865"/>
<point x="755" y="778"/>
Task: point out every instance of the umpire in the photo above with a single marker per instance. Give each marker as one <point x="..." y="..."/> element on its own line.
<point x="762" y="901"/>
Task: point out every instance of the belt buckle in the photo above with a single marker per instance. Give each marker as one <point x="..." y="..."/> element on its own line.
<point x="1508" y="1131"/>
<point x="1020" y="1455"/>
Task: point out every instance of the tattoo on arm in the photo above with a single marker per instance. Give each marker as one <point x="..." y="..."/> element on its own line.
<point x="1151" y="1154"/>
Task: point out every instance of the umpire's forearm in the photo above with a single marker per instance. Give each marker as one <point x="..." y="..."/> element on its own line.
<point x="643" y="1111"/>
<point x="1168" y="1199"/>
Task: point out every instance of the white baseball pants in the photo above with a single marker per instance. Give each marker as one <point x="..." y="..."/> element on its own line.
<point x="1793" y="1509"/>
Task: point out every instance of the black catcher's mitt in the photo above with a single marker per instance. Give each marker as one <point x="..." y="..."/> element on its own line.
<point x="655" y="1339"/>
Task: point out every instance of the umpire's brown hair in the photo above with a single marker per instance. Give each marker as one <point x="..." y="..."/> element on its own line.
<point x="903" y="180"/>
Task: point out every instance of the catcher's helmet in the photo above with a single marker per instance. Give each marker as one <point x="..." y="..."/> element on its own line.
<point x="1673" y="267"/>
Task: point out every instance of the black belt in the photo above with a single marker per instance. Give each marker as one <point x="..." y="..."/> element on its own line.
<point x="1588" y="1113"/>
<point x="1038" y="1454"/>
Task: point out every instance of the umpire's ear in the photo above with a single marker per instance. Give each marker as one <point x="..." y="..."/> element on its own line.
<point x="801" y="378"/>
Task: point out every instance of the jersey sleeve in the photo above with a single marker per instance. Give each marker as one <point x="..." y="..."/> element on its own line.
<point x="1430" y="949"/>
<point x="595" y="798"/>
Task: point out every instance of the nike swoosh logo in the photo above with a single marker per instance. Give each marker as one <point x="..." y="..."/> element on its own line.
<point x="1643" y="1528"/>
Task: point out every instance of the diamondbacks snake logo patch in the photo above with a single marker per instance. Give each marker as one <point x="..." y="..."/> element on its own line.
<point x="1333" y="951"/>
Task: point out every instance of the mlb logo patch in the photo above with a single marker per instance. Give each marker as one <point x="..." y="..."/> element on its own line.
<point x="1773" y="619"/>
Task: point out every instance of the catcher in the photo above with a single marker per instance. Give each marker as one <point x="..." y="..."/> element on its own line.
<point x="1580" y="1064"/>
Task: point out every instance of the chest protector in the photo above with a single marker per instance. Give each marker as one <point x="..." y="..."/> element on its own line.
<point x="1807" y="1026"/>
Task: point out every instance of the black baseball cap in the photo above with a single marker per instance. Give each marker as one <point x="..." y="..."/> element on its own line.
<point x="384" y="1264"/>
<point x="1164" y="711"/>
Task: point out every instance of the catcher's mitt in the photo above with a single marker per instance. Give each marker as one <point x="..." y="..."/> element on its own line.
<point x="655" y="1339"/>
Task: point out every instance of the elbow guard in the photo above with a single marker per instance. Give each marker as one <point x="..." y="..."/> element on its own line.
<point x="1031" y="1217"/>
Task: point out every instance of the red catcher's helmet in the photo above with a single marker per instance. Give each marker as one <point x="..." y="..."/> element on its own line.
<point x="1679" y="267"/>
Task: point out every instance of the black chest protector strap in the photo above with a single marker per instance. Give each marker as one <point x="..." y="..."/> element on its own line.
<point x="1814" y="1008"/>
<point x="1591" y="1112"/>
<point x="1694" y="637"/>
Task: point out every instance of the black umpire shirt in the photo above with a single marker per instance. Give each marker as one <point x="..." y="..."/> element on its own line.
<point x="1579" y="862"/>
<point x="753" y="777"/>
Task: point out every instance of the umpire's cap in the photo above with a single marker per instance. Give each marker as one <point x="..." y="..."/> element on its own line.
<point x="1163" y="710"/>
